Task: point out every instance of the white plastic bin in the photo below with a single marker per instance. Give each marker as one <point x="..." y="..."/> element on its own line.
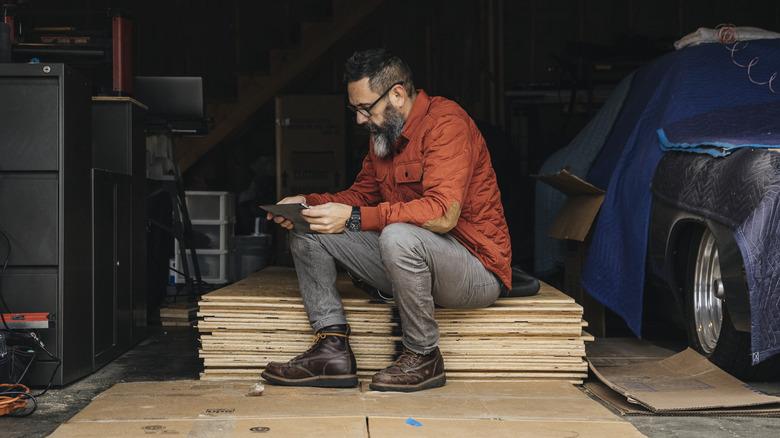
<point x="212" y="235"/>
<point x="211" y="206"/>
<point x="213" y="266"/>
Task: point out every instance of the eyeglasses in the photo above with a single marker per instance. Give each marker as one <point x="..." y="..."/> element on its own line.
<point x="366" y="110"/>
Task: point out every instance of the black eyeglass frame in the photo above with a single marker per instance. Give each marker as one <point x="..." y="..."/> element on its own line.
<point x="366" y="111"/>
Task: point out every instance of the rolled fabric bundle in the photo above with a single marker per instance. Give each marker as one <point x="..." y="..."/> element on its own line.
<point x="724" y="35"/>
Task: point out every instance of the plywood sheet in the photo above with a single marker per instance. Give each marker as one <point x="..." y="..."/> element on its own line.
<point x="261" y="319"/>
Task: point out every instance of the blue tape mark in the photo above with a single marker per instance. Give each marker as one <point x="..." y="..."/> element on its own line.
<point x="412" y="422"/>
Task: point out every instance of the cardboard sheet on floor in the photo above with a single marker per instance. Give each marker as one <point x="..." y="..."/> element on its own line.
<point x="620" y="404"/>
<point x="187" y="406"/>
<point x="346" y="427"/>
<point x="436" y="428"/>
<point x="684" y="381"/>
<point x="192" y="400"/>
<point x="624" y="351"/>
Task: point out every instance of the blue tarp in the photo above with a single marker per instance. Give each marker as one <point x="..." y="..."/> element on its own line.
<point x="720" y="132"/>
<point x="758" y="238"/>
<point x="678" y="86"/>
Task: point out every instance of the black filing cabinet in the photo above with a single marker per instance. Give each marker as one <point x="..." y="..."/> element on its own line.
<point x="72" y="202"/>
<point x="45" y="160"/>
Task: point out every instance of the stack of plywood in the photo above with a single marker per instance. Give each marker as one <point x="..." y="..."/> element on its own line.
<point x="260" y="319"/>
<point x="178" y="314"/>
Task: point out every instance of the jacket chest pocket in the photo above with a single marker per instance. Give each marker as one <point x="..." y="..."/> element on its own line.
<point x="407" y="173"/>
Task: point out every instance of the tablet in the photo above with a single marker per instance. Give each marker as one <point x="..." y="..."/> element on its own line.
<point x="291" y="212"/>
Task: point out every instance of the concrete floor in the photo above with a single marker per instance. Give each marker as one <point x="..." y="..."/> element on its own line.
<point x="172" y="354"/>
<point x="164" y="355"/>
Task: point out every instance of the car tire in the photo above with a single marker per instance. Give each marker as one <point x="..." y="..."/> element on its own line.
<point x="709" y="326"/>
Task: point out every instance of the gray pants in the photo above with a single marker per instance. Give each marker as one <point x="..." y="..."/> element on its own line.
<point x="419" y="267"/>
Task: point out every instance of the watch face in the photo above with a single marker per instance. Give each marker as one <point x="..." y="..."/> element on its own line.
<point x="353" y="223"/>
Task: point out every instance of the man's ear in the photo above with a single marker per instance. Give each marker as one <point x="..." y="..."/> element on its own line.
<point x="398" y="96"/>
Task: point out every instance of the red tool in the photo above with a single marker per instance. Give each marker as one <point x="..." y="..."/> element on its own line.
<point x="36" y="320"/>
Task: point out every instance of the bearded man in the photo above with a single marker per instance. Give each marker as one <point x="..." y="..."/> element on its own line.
<point x="422" y="222"/>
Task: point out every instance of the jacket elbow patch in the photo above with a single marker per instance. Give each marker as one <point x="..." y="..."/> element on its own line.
<point x="444" y="223"/>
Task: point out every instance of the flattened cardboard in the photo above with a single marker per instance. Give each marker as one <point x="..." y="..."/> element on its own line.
<point x="386" y="427"/>
<point x="608" y="352"/>
<point x="684" y="381"/>
<point x="192" y="400"/>
<point x="620" y="404"/>
<point x="557" y="389"/>
<point x="347" y="427"/>
<point x="163" y="407"/>
<point x="578" y="213"/>
<point x="205" y="409"/>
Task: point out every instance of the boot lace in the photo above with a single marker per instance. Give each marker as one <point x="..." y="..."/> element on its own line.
<point x="407" y="360"/>
<point x="318" y="338"/>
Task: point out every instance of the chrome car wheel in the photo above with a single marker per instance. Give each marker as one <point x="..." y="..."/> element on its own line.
<point x="708" y="294"/>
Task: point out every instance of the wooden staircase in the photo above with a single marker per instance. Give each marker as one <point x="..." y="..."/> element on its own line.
<point x="285" y="66"/>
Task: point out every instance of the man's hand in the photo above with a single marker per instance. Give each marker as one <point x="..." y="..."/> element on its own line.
<point x="282" y="221"/>
<point x="327" y="218"/>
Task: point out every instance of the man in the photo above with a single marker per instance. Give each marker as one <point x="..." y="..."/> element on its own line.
<point x="423" y="221"/>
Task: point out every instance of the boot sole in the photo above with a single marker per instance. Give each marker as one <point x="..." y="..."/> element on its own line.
<point x="342" y="381"/>
<point x="433" y="382"/>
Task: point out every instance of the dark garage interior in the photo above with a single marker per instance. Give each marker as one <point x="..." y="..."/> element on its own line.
<point x="607" y="170"/>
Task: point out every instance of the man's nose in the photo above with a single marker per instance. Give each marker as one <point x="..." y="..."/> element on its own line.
<point x="360" y="118"/>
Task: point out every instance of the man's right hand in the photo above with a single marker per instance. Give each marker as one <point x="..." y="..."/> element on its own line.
<point x="282" y="221"/>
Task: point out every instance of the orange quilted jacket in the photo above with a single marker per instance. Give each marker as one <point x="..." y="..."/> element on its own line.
<point x="441" y="179"/>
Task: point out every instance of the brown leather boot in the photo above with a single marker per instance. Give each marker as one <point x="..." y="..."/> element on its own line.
<point x="328" y="363"/>
<point x="411" y="372"/>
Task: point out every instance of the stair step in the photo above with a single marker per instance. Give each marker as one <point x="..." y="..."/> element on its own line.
<point x="285" y="65"/>
<point x="341" y="7"/>
<point x="279" y="58"/>
<point x="312" y="32"/>
<point x="219" y="111"/>
<point x="249" y="82"/>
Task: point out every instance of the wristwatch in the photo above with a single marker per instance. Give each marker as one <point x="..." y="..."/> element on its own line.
<point x="353" y="223"/>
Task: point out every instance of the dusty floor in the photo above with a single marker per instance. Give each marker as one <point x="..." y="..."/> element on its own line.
<point x="172" y="354"/>
<point x="165" y="355"/>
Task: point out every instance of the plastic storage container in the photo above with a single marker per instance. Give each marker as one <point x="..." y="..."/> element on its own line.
<point x="212" y="235"/>
<point x="212" y="215"/>
<point x="250" y="253"/>
<point x="211" y="206"/>
<point x="212" y="263"/>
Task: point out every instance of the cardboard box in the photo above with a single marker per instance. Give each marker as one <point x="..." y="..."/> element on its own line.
<point x="310" y="144"/>
<point x="310" y="152"/>
<point x="578" y="213"/>
<point x="573" y="224"/>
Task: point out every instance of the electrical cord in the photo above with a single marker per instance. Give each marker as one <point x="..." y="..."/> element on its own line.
<point x="11" y="397"/>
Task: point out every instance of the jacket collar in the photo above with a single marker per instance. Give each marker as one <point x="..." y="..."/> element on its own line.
<point x="422" y="104"/>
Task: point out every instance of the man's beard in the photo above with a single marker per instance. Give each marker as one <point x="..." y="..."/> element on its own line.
<point x="385" y="136"/>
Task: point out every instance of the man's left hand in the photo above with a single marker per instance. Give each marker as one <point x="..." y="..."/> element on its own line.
<point x="327" y="218"/>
